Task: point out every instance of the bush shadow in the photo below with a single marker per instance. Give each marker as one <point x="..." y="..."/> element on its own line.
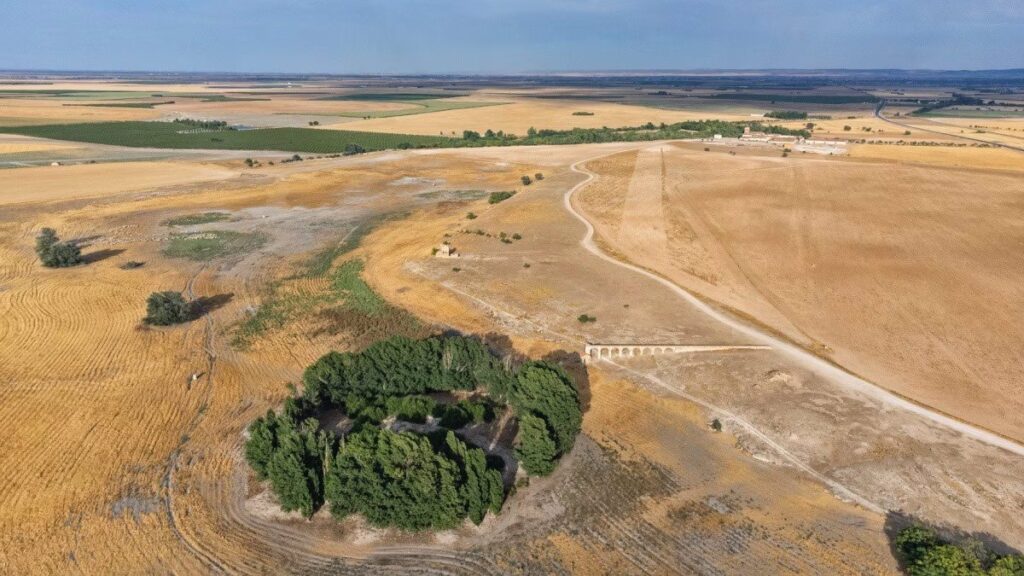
<point x="99" y="255"/>
<point x="204" y="305"/>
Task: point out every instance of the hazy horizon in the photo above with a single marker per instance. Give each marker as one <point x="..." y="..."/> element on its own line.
<point x="495" y="37"/>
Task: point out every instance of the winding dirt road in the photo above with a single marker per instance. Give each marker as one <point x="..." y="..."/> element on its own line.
<point x="791" y="351"/>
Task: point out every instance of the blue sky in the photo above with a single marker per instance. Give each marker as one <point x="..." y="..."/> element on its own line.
<point x="508" y="36"/>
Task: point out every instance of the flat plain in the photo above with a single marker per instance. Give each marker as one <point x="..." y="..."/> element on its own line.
<point x="899" y="263"/>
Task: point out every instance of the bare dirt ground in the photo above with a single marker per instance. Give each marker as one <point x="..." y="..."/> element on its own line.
<point x="117" y="465"/>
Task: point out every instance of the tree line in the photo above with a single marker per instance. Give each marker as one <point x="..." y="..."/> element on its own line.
<point x="923" y="552"/>
<point x="411" y="480"/>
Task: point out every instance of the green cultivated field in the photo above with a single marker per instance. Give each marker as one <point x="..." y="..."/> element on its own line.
<point x="796" y="98"/>
<point x="170" y="135"/>
<point x="973" y="113"/>
<point x="393" y="96"/>
<point x="420" y="107"/>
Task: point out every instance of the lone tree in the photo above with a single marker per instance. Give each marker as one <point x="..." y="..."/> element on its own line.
<point x="526" y="180"/>
<point x="56" y="254"/>
<point x="166" y="308"/>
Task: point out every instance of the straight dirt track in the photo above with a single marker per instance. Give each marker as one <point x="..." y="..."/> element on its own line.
<point x="791" y="351"/>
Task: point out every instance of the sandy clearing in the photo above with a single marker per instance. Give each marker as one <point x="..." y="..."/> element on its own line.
<point x="795" y="353"/>
<point x="49" y="183"/>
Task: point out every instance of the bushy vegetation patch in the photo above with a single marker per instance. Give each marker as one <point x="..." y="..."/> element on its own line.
<point x="56" y="254"/>
<point x="393" y="476"/>
<point x="202" y="246"/>
<point x="497" y="197"/>
<point x="924" y="553"/>
<point x="196" y="219"/>
<point x="167" y="308"/>
<point x="786" y="115"/>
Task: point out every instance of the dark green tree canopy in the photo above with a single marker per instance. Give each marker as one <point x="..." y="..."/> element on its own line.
<point x="411" y="480"/>
<point x="166" y="308"/>
<point x="56" y="254"/>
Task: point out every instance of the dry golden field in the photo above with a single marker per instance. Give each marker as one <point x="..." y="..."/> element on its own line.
<point x="519" y="115"/>
<point x="118" y="464"/>
<point x="901" y="272"/>
<point x="900" y="263"/>
<point x="21" y="111"/>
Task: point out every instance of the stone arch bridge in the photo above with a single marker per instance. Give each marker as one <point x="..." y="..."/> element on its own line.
<point x="592" y="352"/>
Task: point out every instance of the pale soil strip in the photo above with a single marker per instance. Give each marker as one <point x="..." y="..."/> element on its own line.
<point x="836" y="487"/>
<point x="794" y="353"/>
<point x="642" y="227"/>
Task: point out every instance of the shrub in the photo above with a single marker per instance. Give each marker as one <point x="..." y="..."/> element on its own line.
<point x="470" y="216"/>
<point x="538" y="176"/>
<point x="411" y="408"/>
<point x="166" y="308"/>
<point x="497" y="197"/>
<point x="352" y="149"/>
<point x="526" y="180"/>
<point x="584" y="318"/>
<point x="63" y="255"/>
<point x="56" y="254"/>
<point x="847" y="128"/>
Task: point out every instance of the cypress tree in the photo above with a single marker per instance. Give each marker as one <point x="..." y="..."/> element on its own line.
<point x="536" y="450"/>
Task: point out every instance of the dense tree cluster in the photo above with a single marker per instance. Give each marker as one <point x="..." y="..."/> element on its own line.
<point x="204" y="124"/>
<point x="924" y="553"/>
<point x="56" y="254"/>
<point x="404" y="480"/>
<point x="546" y="393"/>
<point x="401" y="367"/>
<point x="407" y="479"/>
<point x="786" y="115"/>
<point x="646" y="132"/>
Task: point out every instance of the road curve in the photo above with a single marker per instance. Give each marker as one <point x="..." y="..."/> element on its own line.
<point x="791" y="351"/>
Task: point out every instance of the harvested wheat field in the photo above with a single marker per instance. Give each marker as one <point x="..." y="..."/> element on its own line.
<point x="120" y="461"/>
<point x="902" y="273"/>
<point x="22" y="111"/>
<point x="519" y="115"/>
<point x="966" y="157"/>
<point x="62" y="183"/>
